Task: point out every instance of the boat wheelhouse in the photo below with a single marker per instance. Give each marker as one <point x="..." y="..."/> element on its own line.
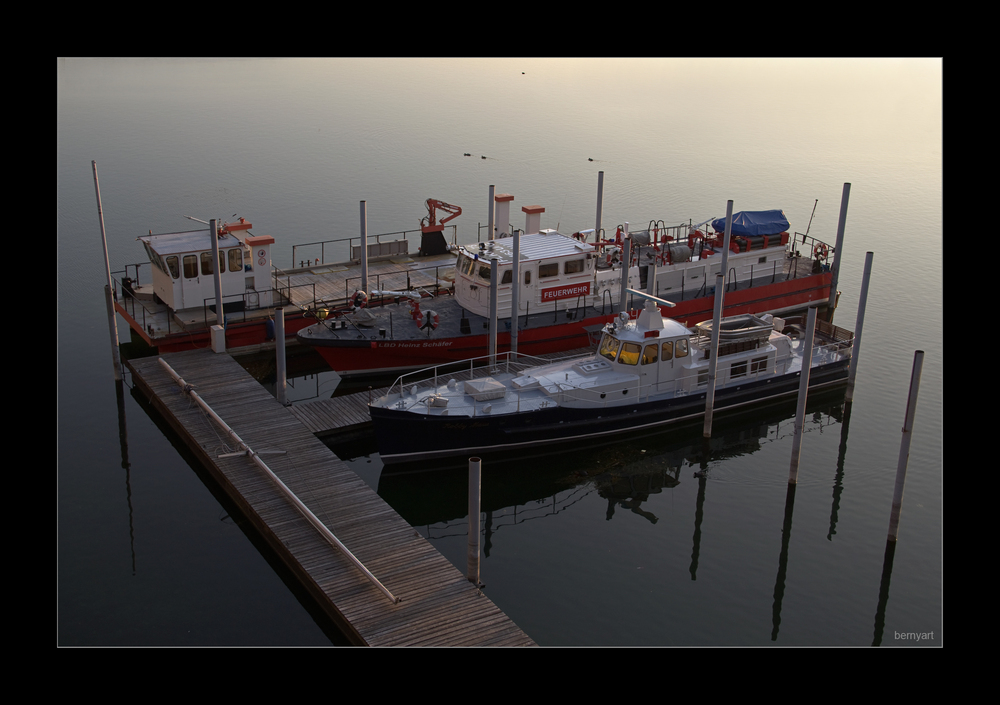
<point x="183" y="269"/>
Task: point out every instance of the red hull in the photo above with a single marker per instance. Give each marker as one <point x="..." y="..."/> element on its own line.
<point x="376" y="356"/>
<point x="237" y="334"/>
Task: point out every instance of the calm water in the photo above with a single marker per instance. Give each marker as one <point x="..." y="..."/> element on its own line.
<point x="618" y="546"/>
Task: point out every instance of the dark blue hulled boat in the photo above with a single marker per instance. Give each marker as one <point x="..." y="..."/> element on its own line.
<point x="647" y="372"/>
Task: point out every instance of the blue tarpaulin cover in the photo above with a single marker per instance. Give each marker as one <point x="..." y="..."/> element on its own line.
<point x="754" y="223"/>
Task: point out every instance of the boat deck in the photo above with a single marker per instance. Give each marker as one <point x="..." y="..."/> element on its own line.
<point x="303" y="288"/>
<point x="334" y="284"/>
<point x="438" y="605"/>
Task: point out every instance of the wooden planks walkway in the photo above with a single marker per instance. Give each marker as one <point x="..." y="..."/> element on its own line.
<point x="438" y="606"/>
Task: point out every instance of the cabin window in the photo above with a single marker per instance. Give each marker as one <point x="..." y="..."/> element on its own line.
<point x="702" y="378"/>
<point x="206" y="262"/>
<point x="466" y="265"/>
<point x="649" y="354"/>
<point x="630" y="354"/>
<point x="574" y="266"/>
<point x="758" y="364"/>
<point x="762" y="260"/>
<point x="508" y="276"/>
<point x="548" y="270"/>
<point x="236" y="260"/>
<point x="738" y="369"/>
<point x="668" y="350"/>
<point x="609" y="347"/>
<point x="682" y="347"/>
<point x="484" y="272"/>
<point x="527" y="277"/>
<point x="174" y="265"/>
<point x="190" y="266"/>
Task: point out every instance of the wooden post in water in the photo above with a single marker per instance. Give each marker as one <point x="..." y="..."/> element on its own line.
<point x="108" y="298"/>
<point x="720" y="295"/>
<point x="856" y="346"/>
<point x="279" y="347"/>
<point x="800" y="410"/>
<point x="475" y="467"/>
<point x="904" y="447"/>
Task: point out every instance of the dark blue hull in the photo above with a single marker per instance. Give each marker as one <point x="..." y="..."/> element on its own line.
<point x="406" y="436"/>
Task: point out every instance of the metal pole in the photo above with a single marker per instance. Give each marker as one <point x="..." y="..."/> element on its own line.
<point x="713" y="359"/>
<point x="108" y="298"/>
<point x="856" y="346"/>
<point x="475" y="468"/>
<point x="904" y="447"/>
<point x="600" y="202"/>
<point x="720" y="295"/>
<point x="364" y="247"/>
<point x="515" y="293"/>
<point x="800" y="410"/>
<point x="492" y="216"/>
<point x="725" y="240"/>
<point x="303" y="509"/>
<point x="493" y="311"/>
<point x="213" y="228"/>
<point x="279" y="326"/>
<point x="626" y="261"/>
<point x="840" y="242"/>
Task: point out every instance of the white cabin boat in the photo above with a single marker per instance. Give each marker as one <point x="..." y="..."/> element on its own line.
<point x="647" y="372"/>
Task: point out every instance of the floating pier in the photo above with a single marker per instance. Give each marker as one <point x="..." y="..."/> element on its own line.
<point x="437" y="605"/>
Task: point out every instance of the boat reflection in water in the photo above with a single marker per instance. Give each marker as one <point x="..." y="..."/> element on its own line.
<point x="518" y="487"/>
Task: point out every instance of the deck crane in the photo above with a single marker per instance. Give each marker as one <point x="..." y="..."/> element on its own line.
<point x="432" y="240"/>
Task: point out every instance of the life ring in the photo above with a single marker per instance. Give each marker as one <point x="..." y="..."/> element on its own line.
<point x="360" y="299"/>
<point x="429" y="321"/>
<point x="820" y="251"/>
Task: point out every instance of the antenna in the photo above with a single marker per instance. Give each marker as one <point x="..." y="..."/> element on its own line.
<point x="811" y="217"/>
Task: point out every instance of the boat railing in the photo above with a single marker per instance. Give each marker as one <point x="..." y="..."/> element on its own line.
<point x="337" y="246"/>
<point x="810" y="249"/>
<point x="142" y="314"/>
<point x="740" y="371"/>
<point x="246" y="302"/>
<point x="400" y="279"/>
<point x="505" y="362"/>
<point x="795" y="326"/>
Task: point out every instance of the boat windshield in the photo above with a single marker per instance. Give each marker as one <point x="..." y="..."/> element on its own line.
<point x="609" y="346"/>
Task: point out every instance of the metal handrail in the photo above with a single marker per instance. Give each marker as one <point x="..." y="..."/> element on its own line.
<point x="282" y="487"/>
<point x="350" y="240"/>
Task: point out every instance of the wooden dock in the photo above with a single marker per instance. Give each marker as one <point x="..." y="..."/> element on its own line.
<point x="438" y="606"/>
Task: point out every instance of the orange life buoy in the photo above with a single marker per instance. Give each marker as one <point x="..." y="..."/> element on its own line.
<point x="429" y="321"/>
<point x="820" y="251"/>
<point x="360" y="299"/>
